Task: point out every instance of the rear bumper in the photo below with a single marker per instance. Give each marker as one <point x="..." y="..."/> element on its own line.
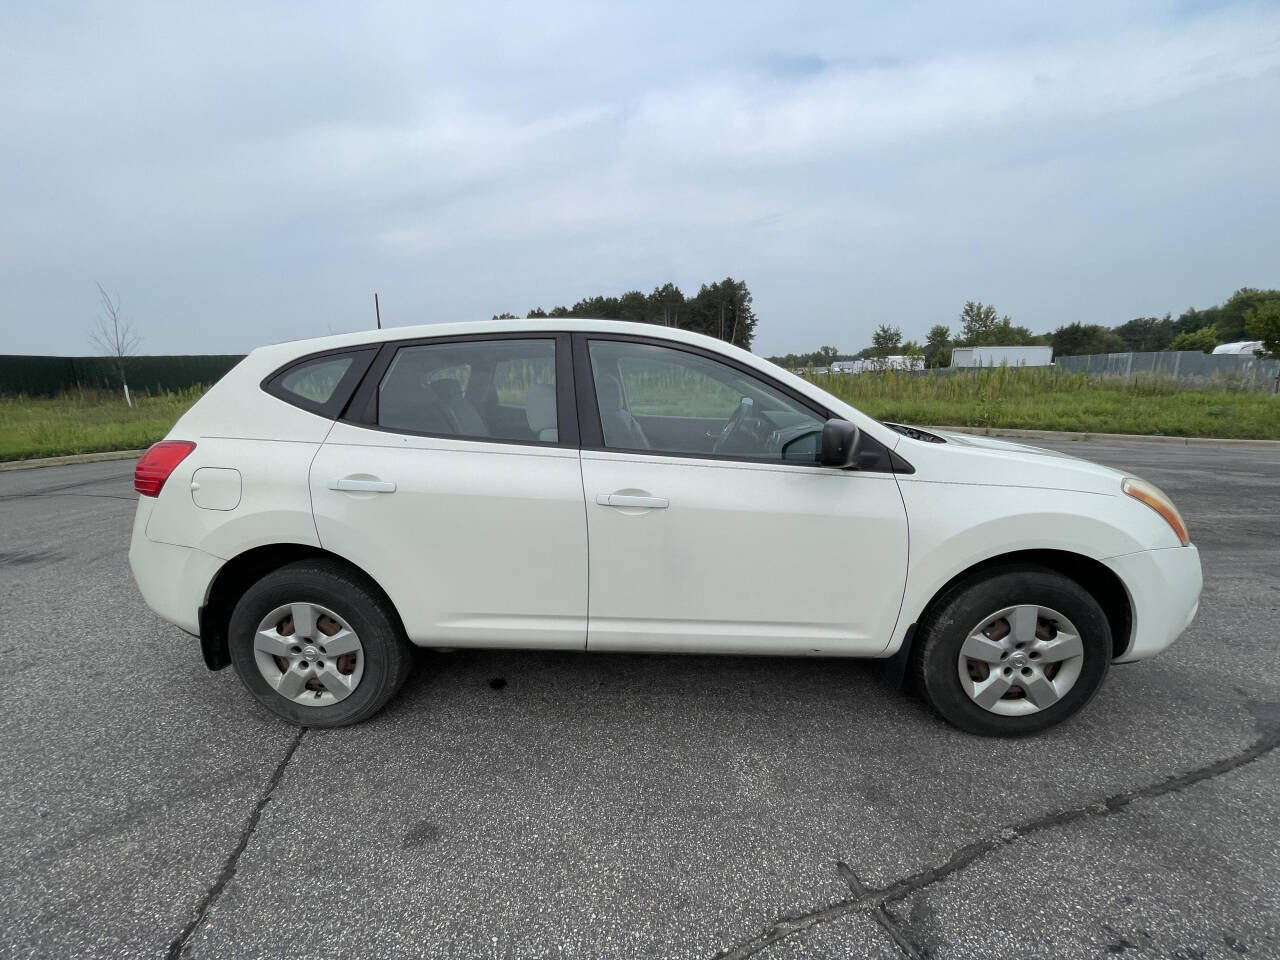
<point x="173" y="580"/>
<point x="1164" y="591"/>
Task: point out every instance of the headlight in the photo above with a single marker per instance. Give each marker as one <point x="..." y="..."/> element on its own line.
<point x="1155" y="498"/>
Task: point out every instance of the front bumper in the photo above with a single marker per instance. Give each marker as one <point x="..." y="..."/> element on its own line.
<point x="1164" y="593"/>
<point x="174" y="580"/>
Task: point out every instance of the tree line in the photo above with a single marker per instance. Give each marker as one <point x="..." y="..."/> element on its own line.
<point x="1248" y="314"/>
<point x="722" y="309"/>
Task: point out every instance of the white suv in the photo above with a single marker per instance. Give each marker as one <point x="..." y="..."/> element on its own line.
<point x="601" y="486"/>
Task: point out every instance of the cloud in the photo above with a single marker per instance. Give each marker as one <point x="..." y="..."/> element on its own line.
<point x="243" y="174"/>
<point x="739" y="119"/>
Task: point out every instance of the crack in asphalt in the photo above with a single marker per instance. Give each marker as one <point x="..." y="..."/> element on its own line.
<point x="91" y="496"/>
<point x="880" y="913"/>
<point x="212" y="895"/>
<point x="873" y="900"/>
<point x="58" y="488"/>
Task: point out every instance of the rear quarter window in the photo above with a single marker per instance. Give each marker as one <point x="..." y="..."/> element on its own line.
<point x="320" y="384"/>
<point x="316" y="382"/>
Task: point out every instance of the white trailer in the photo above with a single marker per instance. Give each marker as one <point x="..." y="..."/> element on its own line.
<point x="1001" y="356"/>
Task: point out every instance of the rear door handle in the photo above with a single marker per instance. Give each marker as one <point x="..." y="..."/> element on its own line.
<point x="626" y="500"/>
<point x="363" y="486"/>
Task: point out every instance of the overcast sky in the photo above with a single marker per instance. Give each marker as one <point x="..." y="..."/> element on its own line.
<point x="241" y="175"/>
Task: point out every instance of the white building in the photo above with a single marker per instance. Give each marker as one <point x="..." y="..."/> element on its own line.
<point x="1001" y="356"/>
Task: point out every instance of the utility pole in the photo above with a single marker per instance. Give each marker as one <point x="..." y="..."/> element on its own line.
<point x="377" y="312"/>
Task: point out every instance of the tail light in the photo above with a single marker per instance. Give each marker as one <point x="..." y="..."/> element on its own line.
<point x="157" y="463"/>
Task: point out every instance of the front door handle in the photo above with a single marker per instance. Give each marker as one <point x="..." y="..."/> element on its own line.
<point x="362" y="486"/>
<point x="627" y="500"/>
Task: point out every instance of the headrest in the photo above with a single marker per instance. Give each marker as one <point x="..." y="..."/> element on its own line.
<point x="609" y="392"/>
<point x="540" y="407"/>
<point x="447" y="389"/>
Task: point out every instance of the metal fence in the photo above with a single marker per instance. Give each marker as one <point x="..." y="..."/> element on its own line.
<point x="45" y="376"/>
<point x="1182" y="364"/>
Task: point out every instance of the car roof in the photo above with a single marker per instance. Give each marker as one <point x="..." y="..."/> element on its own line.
<point x="530" y="325"/>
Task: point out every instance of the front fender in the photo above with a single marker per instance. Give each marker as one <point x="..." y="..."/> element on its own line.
<point x="954" y="527"/>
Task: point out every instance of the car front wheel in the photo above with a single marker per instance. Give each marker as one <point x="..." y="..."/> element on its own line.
<point x="316" y="644"/>
<point x="1013" y="652"/>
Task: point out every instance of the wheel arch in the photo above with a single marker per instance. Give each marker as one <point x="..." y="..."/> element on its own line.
<point x="1100" y="581"/>
<point x="247" y="568"/>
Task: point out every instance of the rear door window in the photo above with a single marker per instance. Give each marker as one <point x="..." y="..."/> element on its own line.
<point x="482" y="390"/>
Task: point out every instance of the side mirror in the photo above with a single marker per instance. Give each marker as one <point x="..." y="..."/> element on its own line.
<point x="839" y="444"/>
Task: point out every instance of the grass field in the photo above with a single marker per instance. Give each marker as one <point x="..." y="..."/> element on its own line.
<point x="86" y="422"/>
<point x="1046" y="399"/>
<point x="90" y="421"/>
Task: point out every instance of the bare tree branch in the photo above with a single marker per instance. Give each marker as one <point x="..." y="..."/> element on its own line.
<point x="114" y="336"/>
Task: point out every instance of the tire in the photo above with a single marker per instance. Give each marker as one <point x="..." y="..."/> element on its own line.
<point x="374" y="663"/>
<point x="964" y="621"/>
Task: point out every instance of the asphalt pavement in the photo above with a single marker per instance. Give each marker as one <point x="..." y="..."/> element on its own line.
<point x="523" y="804"/>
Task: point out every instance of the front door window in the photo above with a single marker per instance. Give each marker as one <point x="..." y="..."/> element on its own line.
<point x="668" y="400"/>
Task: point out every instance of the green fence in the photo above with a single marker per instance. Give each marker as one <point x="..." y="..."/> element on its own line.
<point x="46" y="376"/>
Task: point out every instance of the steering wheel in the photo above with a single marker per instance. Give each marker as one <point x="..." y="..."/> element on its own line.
<point x="733" y="425"/>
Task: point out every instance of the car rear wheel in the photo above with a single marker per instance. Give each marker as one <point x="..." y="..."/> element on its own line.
<point x="316" y="644"/>
<point x="1013" y="652"/>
